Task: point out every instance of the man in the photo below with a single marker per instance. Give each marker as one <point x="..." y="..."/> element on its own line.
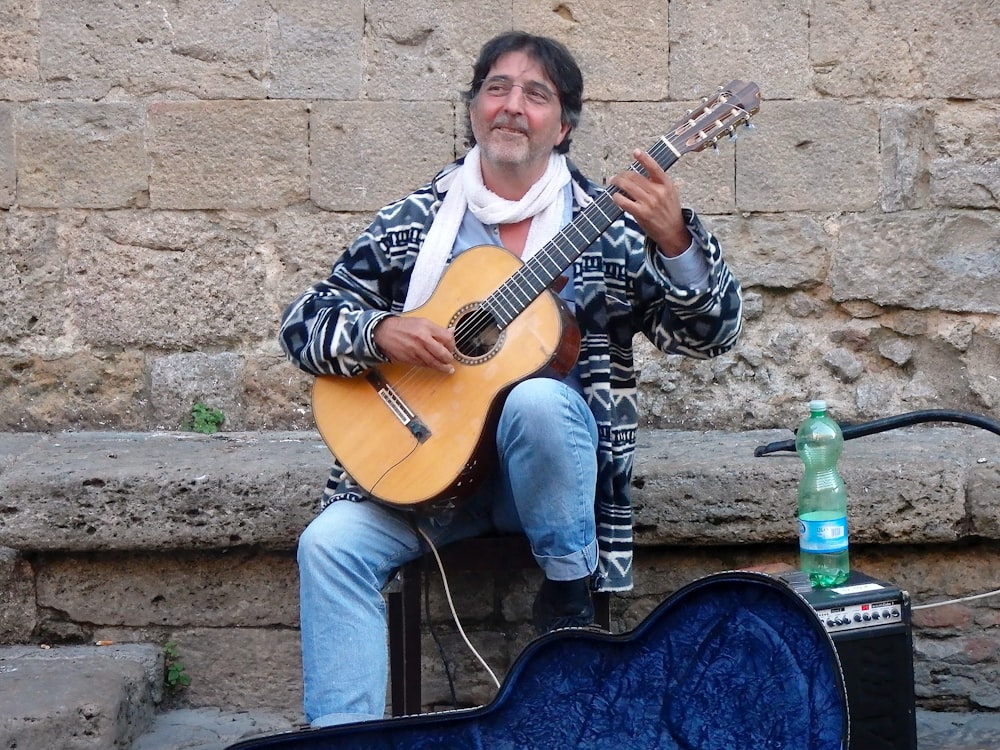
<point x="564" y="446"/>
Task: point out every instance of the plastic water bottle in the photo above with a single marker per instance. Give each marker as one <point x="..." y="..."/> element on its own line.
<point x="823" y="552"/>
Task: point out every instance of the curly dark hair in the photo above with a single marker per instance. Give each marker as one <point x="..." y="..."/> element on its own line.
<point x="555" y="60"/>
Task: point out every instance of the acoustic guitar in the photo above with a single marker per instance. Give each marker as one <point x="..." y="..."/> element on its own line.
<point x="412" y="435"/>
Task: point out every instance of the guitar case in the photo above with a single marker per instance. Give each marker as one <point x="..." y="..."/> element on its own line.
<point x="732" y="661"/>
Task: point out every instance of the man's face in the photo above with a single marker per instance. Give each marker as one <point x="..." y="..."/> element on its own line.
<point x="516" y="116"/>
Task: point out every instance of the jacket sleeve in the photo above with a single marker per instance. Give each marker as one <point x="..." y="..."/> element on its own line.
<point x="699" y="323"/>
<point x="329" y="328"/>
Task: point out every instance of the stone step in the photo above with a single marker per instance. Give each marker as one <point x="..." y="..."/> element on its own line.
<point x="208" y="729"/>
<point x="78" y="697"/>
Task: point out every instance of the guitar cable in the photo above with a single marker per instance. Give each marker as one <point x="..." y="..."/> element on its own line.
<point x="454" y="614"/>
<point x="449" y="667"/>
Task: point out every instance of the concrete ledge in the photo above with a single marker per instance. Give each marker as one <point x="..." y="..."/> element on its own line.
<point x="150" y="537"/>
<point x="79" y="491"/>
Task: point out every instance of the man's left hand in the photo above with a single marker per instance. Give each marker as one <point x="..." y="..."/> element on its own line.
<point x="653" y="201"/>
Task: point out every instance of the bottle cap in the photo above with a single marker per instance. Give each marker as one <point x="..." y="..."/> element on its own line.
<point x="817" y="405"/>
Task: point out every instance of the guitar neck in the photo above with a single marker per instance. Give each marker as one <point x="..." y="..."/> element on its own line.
<point x="539" y="273"/>
<point x="731" y="106"/>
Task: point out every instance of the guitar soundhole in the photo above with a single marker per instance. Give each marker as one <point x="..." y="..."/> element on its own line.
<point x="478" y="336"/>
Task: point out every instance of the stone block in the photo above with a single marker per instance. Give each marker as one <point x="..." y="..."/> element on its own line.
<point x="984" y="489"/>
<point x="18" y="610"/>
<point x="82" y="155"/>
<point x="611" y="132"/>
<point x="810" y="156"/>
<point x="305" y="243"/>
<point x="781" y="251"/>
<point x="80" y="389"/>
<point x="33" y="296"/>
<point x="356" y="145"/>
<point x="414" y="52"/>
<point x="178" y="381"/>
<point x="167" y="280"/>
<point x="907" y="139"/>
<point x="965" y="170"/>
<point x="160" y="491"/>
<point x="767" y="42"/>
<point x="8" y="161"/>
<point x="472" y="684"/>
<point x="241" y="588"/>
<point x="944" y="260"/>
<point x="19" y="42"/>
<point x="621" y="48"/>
<point x="275" y="395"/>
<point x="744" y="499"/>
<point x="978" y="360"/>
<point x="943" y="156"/>
<point x="922" y="49"/>
<point x="145" y="49"/>
<point x="243" y="669"/>
<point x="228" y="154"/>
<point x="317" y="50"/>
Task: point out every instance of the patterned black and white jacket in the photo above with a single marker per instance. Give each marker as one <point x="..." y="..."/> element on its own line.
<point x="621" y="288"/>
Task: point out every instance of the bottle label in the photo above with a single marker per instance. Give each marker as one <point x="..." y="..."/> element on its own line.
<point x="823" y="535"/>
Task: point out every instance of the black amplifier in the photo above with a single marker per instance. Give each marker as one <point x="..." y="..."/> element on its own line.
<point x="869" y="622"/>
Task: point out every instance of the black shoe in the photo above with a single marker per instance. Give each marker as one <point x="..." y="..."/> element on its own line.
<point x="563" y="604"/>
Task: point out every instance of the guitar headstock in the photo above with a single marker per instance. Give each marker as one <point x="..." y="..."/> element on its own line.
<point x="731" y="105"/>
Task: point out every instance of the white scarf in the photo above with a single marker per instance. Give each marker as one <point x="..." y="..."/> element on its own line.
<point x="466" y="191"/>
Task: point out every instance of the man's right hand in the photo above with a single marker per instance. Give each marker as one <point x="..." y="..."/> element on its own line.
<point x="416" y="341"/>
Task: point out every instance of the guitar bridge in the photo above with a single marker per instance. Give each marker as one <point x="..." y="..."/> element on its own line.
<point x="398" y="407"/>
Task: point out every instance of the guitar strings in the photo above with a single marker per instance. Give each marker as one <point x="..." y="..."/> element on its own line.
<point x="483" y="318"/>
<point x="664" y="151"/>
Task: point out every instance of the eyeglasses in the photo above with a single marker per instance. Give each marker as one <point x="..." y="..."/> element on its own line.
<point x="535" y="93"/>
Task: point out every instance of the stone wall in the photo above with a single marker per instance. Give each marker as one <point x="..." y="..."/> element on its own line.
<point x="173" y="174"/>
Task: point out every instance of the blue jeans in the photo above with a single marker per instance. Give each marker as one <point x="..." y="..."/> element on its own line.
<point x="544" y="487"/>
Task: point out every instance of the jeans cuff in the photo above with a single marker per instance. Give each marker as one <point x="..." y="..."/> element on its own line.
<point x="570" y="567"/>
<point x="332" y="720"/>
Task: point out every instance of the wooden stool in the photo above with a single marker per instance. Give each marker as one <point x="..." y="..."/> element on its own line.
<point x="476" y="555"/>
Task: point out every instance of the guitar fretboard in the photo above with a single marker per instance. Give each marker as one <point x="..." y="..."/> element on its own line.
<point x="537" y="274"/>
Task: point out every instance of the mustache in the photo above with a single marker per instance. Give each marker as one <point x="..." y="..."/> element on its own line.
<point x="511" y="123"/>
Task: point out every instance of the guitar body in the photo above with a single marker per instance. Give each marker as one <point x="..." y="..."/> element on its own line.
<point x="412" y="435"/>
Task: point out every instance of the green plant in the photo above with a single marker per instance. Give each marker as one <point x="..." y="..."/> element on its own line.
<point x="176" y="677"/>
<point x="205" y="419"/>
